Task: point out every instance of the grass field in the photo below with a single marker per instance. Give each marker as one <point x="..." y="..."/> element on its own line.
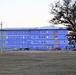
<point x="38" y="63"/>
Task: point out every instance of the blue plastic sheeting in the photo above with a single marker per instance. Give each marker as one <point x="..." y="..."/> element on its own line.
<point x="34" y="39"/>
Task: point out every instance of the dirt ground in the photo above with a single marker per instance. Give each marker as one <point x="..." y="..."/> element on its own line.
<point x="38" y="63"/>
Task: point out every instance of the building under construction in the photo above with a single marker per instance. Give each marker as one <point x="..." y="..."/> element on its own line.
<point x="41" y="38"/>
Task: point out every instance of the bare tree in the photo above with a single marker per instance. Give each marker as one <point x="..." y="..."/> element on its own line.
<point x="65" y="13"/>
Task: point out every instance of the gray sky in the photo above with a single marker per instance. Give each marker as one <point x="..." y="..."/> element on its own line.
<point x="25" y="13"/>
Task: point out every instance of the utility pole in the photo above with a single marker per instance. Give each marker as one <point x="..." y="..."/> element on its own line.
<point x="1" y="37"/>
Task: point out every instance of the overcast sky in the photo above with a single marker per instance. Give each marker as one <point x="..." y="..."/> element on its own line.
<point x="25" y="13"/>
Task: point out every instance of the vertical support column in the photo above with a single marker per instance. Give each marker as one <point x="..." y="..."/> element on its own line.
<point x="1" y="37"/>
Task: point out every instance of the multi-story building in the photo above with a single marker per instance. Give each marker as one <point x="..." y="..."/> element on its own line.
<point x="42" y="38"/>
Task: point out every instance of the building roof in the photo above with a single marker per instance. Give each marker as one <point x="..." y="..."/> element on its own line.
<point x="50" y="27"/>
<point x="43" y="27"/>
